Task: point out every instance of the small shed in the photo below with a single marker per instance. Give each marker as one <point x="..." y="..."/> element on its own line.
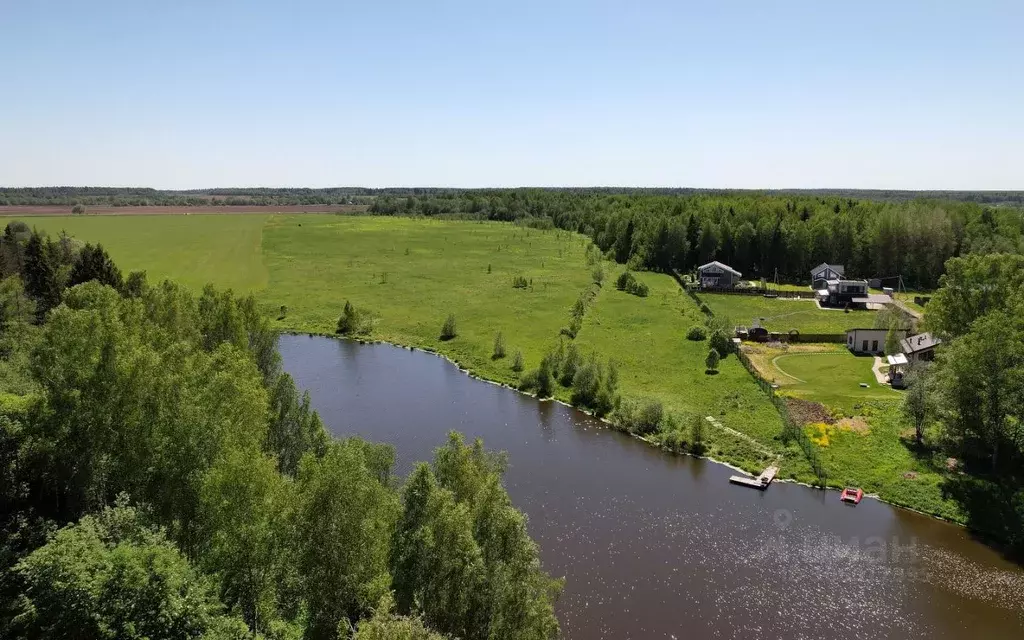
<point x="716" y="275"/>
<point x="898" y="364"/>
<point x="868" y="340"/>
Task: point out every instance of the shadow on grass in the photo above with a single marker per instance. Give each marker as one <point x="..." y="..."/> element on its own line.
<point x="929" y="456"/>
<point x="995" y="512"/>
<point x="710" y="372"/>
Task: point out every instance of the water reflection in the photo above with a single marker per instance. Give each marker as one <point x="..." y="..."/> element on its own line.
<point x="654" y="545"/>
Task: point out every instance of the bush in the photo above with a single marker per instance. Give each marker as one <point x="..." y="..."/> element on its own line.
<point x="519" y="282"/>
<point x="697" y="333"/>
<point x="711" y="361"/>
<point x="598" y="275"/>
<point x="352" y="321"/>
<point x="499" y="347"/>
<point x="517" y="362"/>
<point x="720" y="333"/>
<point x="540" y="380"/>
<point x="448" y="330"/>
<point x="627" y="282"/>
<point x="641" y="417"/>
<point x="593" y="389"/>
<point x="570" y="363"/>
<point x="78" y="209"/>
<point x="697" y="435"/>
<point x="639" y="289"/>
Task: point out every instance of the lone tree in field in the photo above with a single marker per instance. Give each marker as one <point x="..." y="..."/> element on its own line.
<point x="499" y="347"/>
<point x="348" y="323"/>
<point x="517" y="362"/>
<point x="448" y="330"/>
<point x="78" y="209"/>
<point x="711" y="362"/>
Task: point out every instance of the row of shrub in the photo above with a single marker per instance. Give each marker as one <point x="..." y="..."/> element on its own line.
<point x="627" y="282"/>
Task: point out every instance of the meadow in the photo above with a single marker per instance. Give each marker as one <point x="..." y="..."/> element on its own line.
<point x="784" y="314"/>
<point x="410" y="273"/>
<point x="193" y="250"/>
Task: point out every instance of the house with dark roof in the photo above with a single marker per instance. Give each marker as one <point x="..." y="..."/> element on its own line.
<point x="821" y="274"/>
<point x="715" y="275"/>
<point x="920" y="348"/>
<point x="844" y="293"/>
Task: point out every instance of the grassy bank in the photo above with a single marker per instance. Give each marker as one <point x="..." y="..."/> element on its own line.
<point x="410" y="274"/>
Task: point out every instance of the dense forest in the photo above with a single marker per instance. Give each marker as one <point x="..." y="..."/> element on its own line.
<point x="974" y="392"/>
<point x="256" y="196"/>
<point x="160" y="476"/>
<point x="757" y="234"/>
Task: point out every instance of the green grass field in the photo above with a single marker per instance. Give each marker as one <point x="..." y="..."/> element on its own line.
<point x="194" y="250"/>
<point x="782" y="314"/>
<point x="411" y="273"/>
<point x="646" y="336"/>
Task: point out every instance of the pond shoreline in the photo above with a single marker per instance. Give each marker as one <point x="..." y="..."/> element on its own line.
<point x="609" y="424"/>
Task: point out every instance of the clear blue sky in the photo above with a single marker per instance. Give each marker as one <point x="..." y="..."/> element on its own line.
<point x="759" y="94"/>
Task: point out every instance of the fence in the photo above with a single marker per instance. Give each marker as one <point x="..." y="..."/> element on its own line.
<point x="756" y="291"/>
<point x="790" y="430"/>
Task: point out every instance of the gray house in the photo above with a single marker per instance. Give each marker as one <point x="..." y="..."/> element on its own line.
<point x="821" y="274"/>
<point x="920" y="347"/>
<point x="715" y="275"/>
<point x="838" y="293"/>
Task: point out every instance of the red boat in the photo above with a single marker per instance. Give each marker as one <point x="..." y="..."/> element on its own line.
<point x="851" y="495"/>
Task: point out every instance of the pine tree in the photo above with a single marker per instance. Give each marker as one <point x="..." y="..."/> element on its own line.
<point x="41" y="281"/>
<point x="93" y="263"/>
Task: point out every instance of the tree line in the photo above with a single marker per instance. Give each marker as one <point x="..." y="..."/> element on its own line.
<point x="757" y="234"/>
<point x="141" y="196"/>
<point x="973" y="394"/>
<point x="161" y="476"/>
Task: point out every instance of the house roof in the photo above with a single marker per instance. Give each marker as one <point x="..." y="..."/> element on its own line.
<point x="724" y="267"/>
<point x="920" y="342"/>
<point x="874" y="298"/>
<point x="838" y="268"/>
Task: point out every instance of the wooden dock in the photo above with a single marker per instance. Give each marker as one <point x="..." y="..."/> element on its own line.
<point x="760" y="482"/>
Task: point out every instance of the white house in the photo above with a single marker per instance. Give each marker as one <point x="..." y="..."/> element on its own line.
<point x="868" y="340"/>
<point x="821" y="274"/>
<point x="715" y="275"/>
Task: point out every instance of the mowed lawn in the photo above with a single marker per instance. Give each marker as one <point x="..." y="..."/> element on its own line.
<point x="194" y="249"/>
<point x="411" y="273"/>
<point x="833" y="378"/>
<point x="783" y="314"/>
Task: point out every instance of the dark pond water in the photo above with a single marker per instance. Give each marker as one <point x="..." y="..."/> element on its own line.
<point x="658" y="546"/>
